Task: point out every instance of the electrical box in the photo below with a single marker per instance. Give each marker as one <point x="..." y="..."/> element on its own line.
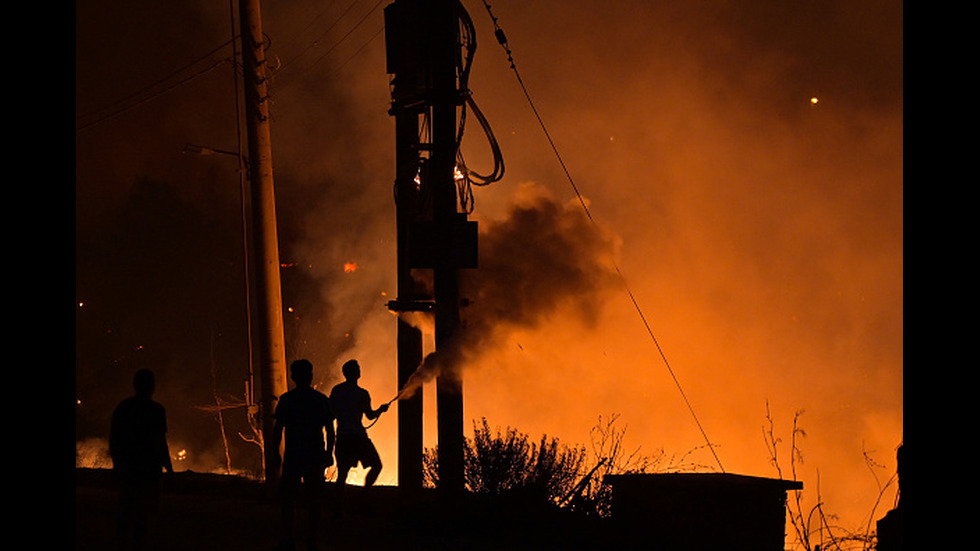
<point x="425" y="245"/>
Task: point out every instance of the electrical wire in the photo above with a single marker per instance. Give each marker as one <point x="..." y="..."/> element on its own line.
<point x="357" y="52"/>
<point x="130" y="101"/>
<point x="502" y="40"/>
<point x="284" y="78"/>
<point x="351" y="31"/>
<point x="466" y="176"/>
<point x="313" y="43"/>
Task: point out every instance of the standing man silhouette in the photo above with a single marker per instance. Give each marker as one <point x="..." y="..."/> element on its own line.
<point x="139" y="450"/>
<point x="303" y="413"/>
<point x="350" y="402"/>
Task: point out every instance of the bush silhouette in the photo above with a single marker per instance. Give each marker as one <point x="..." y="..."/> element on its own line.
<point x="510" y="464"/>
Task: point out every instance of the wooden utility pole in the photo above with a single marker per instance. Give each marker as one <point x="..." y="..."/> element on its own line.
<point x="270" y="341"/>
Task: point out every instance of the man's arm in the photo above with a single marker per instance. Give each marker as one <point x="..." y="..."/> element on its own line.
<point x="276" y="442"/>
<point x="331" y="438"/>
<point x="167" y="462"/>
<point x="373" y="414"/>
<point x="114" y="450"/>
<point x="164" y="446"/>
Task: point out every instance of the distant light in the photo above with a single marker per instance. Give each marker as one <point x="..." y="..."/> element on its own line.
<point x="814" y="100"/>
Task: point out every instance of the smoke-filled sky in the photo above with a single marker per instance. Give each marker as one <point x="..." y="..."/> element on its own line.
<point x="741" y="162"/>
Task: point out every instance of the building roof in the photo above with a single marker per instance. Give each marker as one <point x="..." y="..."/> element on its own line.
<point x="691" y="480"/>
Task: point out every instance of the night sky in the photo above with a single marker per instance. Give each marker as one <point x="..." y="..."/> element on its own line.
<point x="742" y="163"/>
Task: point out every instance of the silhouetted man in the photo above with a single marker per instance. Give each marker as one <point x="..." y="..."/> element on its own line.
<point x="303" y="413"/>
<point x="140" y="454"/>
<point x="350" y="404"/>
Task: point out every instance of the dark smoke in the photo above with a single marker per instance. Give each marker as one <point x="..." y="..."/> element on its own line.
<point x="544" y="259"/>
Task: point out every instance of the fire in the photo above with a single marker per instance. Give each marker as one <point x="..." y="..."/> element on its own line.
<point x="458" y="175"/>
<point x="350" y="267"/>
<point x="181" y="455"/>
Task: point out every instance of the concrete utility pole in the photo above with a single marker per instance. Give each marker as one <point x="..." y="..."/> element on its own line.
<point x="411" y="297"/>
<point x="423" y="44"/>
<point x="442" y="169"/>
<point x="270" y="341"/>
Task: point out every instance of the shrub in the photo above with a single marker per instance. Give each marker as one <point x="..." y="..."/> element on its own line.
<point x="498" y="463"/>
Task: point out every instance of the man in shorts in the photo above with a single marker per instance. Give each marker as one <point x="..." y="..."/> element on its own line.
<point x="303" y="413"/>
<point x="350" y="403"/>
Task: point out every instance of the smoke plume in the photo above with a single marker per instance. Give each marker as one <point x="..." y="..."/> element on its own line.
<point x="543" y="259"/>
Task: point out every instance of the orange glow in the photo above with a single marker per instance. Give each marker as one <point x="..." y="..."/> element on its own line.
<point x="768" y="265"/>
<point x="759" y="231"/>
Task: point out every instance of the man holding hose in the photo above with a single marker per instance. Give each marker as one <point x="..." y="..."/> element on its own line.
<point x="349" y="403"/>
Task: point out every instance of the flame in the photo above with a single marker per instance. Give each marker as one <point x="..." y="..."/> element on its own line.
<point x="458" y="175"/>
<point x="350" y="267"/>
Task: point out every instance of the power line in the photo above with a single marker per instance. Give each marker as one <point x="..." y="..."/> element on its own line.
<point x="134" y="100"/>
<point x="376" y="34"/>
<point x="351" y="31"/>
<point x="289" y="77"/>
<point x="316" y="41"/>
<point x="502" y="39"/>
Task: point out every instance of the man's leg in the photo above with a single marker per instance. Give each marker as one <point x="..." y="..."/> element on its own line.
<point x="288" y="510"/>
<point x="288" y="489"/>
<point x="372" y="460"/>
<point x="314" y="488"/>
<point x="372" y="475"/>
<point x="342" y="470"/>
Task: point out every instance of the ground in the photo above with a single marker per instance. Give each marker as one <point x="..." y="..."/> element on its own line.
<point x="214" y="512"/>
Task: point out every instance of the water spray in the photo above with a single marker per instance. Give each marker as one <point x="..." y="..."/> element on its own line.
<point x="403" y="393"/>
